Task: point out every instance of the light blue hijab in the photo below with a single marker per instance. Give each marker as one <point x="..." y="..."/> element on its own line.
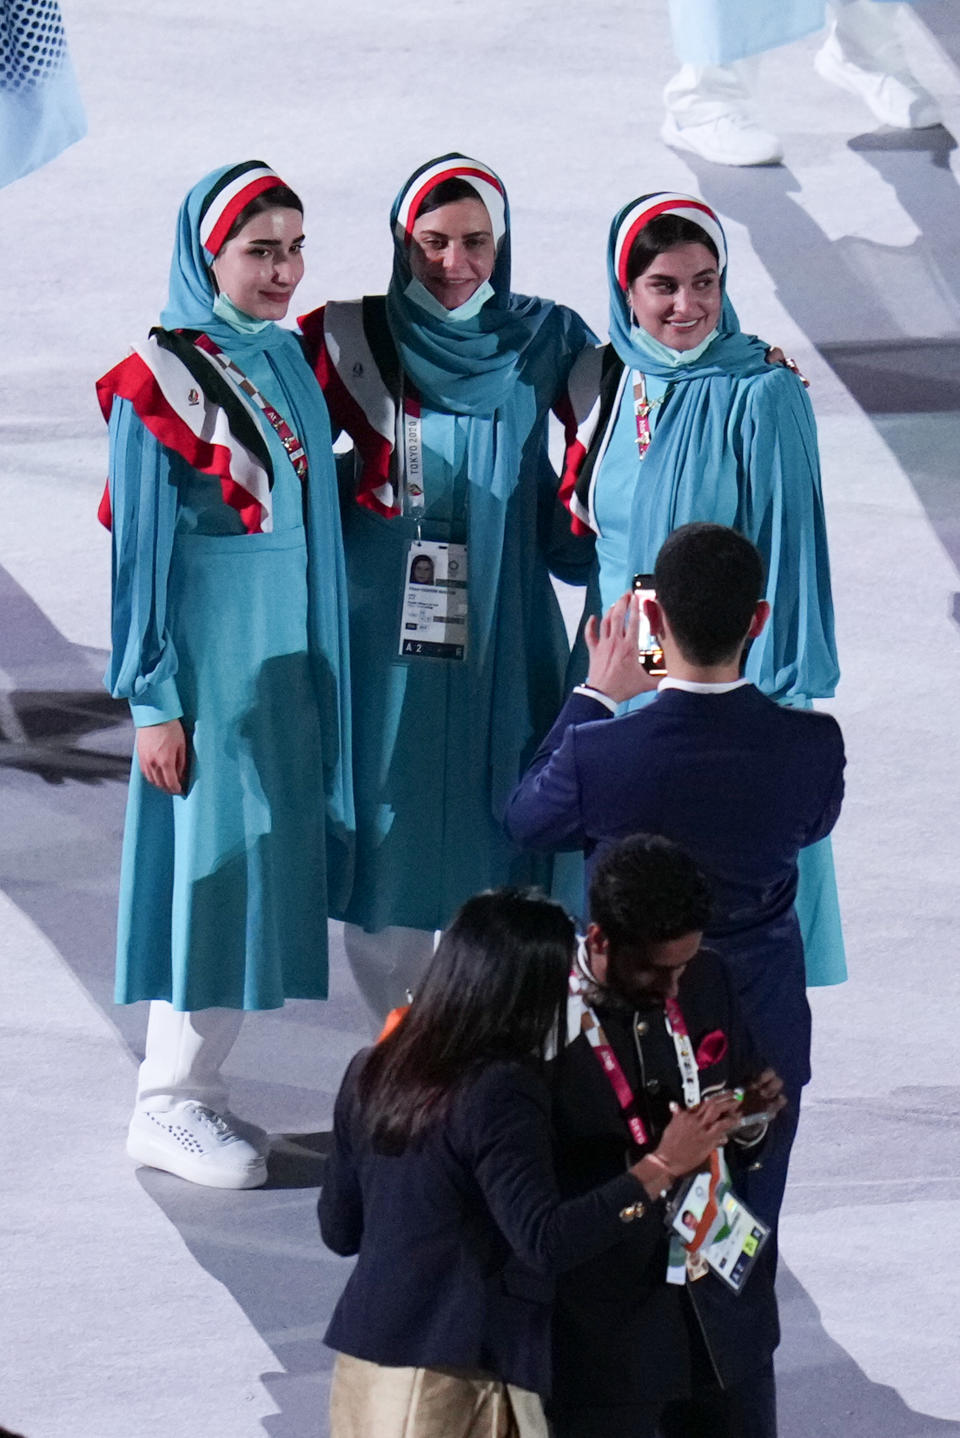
<point x="732" y="352"/>
<point x="736" y="444"/>
<point x="272" y="358"/>
<point x="469" y="367"/>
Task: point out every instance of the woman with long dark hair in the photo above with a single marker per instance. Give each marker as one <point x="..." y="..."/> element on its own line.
<point x="441" y="1178"/>
<point x="229" y="638"/>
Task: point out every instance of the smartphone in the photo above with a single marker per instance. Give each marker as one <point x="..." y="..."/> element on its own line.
<point x="650" y="653"/>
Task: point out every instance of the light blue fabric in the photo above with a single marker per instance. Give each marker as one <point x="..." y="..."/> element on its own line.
<point x="477" y="366"/>
<point x="735" y="443"/>
<point x="244" y="324"/>
<point x="224" y="892"/>
<point x="439" y="745"/>
<point x="431" y="305"/>
<point x="40" y="108"/>
<point x="718" y="32"/>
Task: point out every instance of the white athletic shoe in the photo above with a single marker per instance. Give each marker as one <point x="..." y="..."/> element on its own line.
<point x="731" y="139"/>
<point x="898" y="100"/>
<point x="197" y="1144"/>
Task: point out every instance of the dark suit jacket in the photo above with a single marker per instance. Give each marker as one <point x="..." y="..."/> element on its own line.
<point x="459" y="1236"/>
<point x="742" y="784"/>
<point x="622" y="1334"/>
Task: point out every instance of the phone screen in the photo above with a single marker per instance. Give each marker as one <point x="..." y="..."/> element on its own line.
<point x="651" y="655"/>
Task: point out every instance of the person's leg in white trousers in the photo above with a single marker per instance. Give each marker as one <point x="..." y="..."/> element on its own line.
<point x="387" y="965"/>
<point x="181" y="1122"/>
<point x="711" y="109"/>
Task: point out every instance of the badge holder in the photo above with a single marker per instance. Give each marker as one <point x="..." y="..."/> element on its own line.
<point x="711" y="1230"/>
<point x="433" y="617"/>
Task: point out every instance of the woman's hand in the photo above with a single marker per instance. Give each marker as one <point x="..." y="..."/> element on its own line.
<point x="688" y="1141"/>
<point x="162" y="755"/>
<point x="615" y="668"/>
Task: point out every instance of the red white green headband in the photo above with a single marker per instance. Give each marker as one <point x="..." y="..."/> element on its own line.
<point x="651" y="207"/>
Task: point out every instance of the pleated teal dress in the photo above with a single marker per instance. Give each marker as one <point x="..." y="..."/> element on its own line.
<point x="225" y="890"/>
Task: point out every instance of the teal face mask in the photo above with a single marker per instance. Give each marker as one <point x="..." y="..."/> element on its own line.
<point x="659" y="351"/>
<point x="431" y="305"/>
<point x="226" y="310"/>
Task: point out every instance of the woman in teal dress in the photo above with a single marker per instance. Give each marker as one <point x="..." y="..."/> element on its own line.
<point x="445" y="385"/>
<point x="682" y="418"/>
<point x="229" y="641"/>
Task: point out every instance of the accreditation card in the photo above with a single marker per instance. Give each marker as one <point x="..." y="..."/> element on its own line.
<point x="433" y="617"/>
<point x="734" y="1238"/>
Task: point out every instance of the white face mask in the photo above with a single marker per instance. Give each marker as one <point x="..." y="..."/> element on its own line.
<point x="431" y="305"/>
<point x="225" y="309"/>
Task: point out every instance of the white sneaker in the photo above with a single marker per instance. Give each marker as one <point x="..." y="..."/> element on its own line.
<point x="898" y="100"/>
<point x="197" y="1144"/>
<point x="730" y="139"/>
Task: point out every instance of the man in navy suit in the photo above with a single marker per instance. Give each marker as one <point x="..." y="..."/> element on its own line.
<point x="740" y="782"/>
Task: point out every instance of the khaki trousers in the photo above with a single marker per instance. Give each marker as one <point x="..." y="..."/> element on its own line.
<point x="368" y="1400"/>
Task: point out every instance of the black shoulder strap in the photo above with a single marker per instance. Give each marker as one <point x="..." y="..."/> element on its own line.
<point x="218" y="390"/>
<point x="611" y="371"/>
<point x="378" y="336"/>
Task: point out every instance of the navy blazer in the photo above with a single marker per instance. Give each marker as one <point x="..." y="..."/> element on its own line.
<point x="742" y="784"/>
<point x="459" y="1235"/>
<point x="621" y="1332"/>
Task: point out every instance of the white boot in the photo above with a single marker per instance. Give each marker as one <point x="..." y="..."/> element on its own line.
<point x="386" y="965"/>
<point x="711" y="111"/>
<point x="863" y="54"/>
<point x="181" y="1122"/>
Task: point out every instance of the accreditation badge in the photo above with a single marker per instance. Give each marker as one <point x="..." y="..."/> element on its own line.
<point x="714" y="1229"/>
<point x="433" y="617"/>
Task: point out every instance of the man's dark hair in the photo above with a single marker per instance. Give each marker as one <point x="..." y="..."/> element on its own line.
<point x="646" y="890"/>
<point x="709" y="580"/>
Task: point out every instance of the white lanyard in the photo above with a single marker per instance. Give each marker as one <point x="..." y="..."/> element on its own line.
<point x="412" y="433"/>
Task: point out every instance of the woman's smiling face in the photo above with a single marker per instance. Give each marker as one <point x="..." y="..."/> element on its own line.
<point x="452" y="251"/>
<point x="678" y="299"/>
<point x="260" y="268"/>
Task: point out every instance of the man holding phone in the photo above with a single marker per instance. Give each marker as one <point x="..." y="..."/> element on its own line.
<point x="669" y="1333"/>
<point x="739" y="781"/>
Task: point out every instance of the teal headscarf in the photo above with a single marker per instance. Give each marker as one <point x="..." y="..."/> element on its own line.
<point x="203" y="223"/>
<point x="469" y="367"/>
<point x="731" y="352"/>
<point x="736" y="443"/>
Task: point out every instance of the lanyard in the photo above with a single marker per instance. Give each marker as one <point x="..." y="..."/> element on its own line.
<point x="287" y="437"/>
<point x="676" y="1027"/>
<point x="411" y="427"/>
<point x="641" y="409"/>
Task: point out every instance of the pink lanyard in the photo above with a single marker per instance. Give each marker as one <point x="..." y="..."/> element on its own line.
<point x="676" y="1027"/>
<point x="642" y="408"/>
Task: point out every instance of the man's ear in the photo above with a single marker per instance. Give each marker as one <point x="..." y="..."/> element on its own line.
<point x="597" y="952"/>
<point x="654" y="617"/>
<point x="760" y="616"/>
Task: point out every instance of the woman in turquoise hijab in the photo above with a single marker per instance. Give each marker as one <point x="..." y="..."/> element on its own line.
<point x="682" y="418"/>
<point x="230" y="642"/>
<point x="444" y="386"/>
